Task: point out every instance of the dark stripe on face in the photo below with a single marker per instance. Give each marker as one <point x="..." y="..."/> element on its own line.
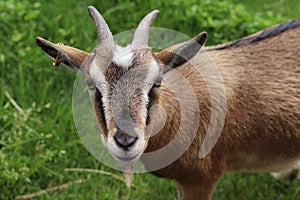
<point x="100" y="111"/>
<point x="153" y="98"/>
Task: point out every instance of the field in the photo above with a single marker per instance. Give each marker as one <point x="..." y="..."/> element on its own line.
<point x="38" y="139"/>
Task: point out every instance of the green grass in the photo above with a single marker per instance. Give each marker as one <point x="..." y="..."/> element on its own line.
<point x="38" y="139"/>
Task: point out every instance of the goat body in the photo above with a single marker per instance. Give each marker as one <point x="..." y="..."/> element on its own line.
<point x="261" y="77"/>
<point x="262" y="127"/>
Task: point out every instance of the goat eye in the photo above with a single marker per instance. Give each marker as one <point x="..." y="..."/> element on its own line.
<point x="156" y="84"/>
<point x="153" y="93"/>
<point x="152" y="96"/>
<point x="153" y="90"/>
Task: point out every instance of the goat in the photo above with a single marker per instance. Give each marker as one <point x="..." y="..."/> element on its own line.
<point x="261" y="78"/>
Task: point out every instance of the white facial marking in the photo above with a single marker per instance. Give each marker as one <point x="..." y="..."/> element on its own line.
<point x="152" y="72"/>
<point x="96" y="74"/>
<point x="106" y="104"/>
<point x="123" y="56"/>
<point x="103" y="139"/>
<point x="150" y="79"/>
<point x="102" y="85"/>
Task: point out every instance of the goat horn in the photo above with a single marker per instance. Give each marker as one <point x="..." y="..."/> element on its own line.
<point x="103" y="31"/>
<point x="141" y="35"/>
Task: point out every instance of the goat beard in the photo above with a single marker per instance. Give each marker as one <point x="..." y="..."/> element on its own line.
<point x="128" y="174"/>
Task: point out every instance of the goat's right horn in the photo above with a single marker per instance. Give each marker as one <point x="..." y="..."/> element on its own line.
<point x="103" y="31"/>
<point x="141" y="35"/>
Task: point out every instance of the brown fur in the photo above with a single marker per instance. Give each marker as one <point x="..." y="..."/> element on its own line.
<point x="262" y="127"/>
<point x="261" y="130"/>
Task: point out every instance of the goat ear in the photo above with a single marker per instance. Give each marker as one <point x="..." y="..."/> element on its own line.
<point x="71" y="57"/>
<point x="179" y="54"/>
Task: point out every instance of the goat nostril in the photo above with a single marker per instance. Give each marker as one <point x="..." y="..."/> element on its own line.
<point x="125" y="141"/>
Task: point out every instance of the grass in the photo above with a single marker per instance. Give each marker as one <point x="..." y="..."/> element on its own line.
<point x="38" y="140"/>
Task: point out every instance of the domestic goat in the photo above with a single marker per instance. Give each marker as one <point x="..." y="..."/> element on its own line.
<point x="133" y="91"/>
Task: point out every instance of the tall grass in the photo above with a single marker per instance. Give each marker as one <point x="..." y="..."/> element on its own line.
<point x="38" y="140"/>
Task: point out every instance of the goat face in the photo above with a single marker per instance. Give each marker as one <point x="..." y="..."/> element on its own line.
<point x="124" y="82"/>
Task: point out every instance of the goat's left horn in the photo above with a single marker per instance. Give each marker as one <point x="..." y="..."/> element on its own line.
<point x="103" y="31"/>
<point x="141" y="35"/>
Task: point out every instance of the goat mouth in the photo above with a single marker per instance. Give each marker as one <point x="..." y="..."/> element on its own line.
<point x="127" y="159"/>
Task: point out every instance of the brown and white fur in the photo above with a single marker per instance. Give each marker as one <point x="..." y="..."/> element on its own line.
<point x="261" y="75"/>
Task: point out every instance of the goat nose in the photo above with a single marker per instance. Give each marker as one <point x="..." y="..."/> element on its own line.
<point x="124" y="140"/>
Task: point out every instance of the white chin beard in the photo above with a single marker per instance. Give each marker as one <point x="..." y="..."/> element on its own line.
<point x="128" y="174"/>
